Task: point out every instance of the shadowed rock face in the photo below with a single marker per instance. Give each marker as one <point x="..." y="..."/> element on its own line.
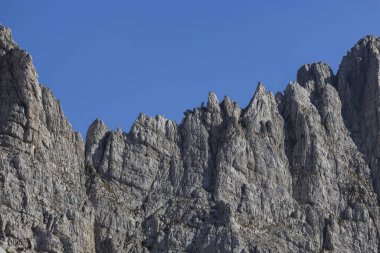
<point x="295" y="172"/>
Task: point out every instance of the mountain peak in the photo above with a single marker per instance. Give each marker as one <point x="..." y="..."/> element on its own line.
<point x="6" y="40"/>
<point x="298" y="172"/>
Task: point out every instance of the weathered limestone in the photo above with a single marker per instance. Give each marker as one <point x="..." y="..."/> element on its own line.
<point x="295" y="172"/>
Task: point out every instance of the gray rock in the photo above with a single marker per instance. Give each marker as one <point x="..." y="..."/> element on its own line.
<point x="295" y="172"/>
<point x="359" y="90"/>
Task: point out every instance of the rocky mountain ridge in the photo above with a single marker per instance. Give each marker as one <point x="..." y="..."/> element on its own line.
<point x="294" y="172"/>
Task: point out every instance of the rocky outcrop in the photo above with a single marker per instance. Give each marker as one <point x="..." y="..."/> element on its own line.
<point x="359" y="90"/>
<point x="42" y="181"/>
<point x="295" y="172"/>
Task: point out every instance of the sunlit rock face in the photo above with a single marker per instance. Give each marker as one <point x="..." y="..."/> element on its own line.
<point x="294" y="172"/>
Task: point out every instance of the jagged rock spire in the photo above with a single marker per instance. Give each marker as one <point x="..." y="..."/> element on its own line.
<point x="285" y="174"/>
<point x="358" y="85"/>
<point x="6" y="41"/>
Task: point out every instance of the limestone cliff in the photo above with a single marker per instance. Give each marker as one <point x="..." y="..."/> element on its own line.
<point x="294" y="172"/>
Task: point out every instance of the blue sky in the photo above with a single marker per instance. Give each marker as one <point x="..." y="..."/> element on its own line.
<point x="115" y="59"/>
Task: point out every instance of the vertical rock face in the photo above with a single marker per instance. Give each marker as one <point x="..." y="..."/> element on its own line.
<point x="359" y="89"/>
<point x="330" y="176"/>
<point x="295" y="172"/>
<point x="44" y="206"/>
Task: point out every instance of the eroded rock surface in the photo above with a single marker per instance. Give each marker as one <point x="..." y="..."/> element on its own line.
<point x="295" y="172"/>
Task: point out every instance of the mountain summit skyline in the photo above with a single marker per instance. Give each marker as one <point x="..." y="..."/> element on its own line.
<point x="297" y="171"/>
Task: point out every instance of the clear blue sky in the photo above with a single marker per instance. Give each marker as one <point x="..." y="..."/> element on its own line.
<point x="114" y="59"/>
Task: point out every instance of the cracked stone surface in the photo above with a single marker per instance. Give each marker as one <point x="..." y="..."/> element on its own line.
<point x="297" y="171"/>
